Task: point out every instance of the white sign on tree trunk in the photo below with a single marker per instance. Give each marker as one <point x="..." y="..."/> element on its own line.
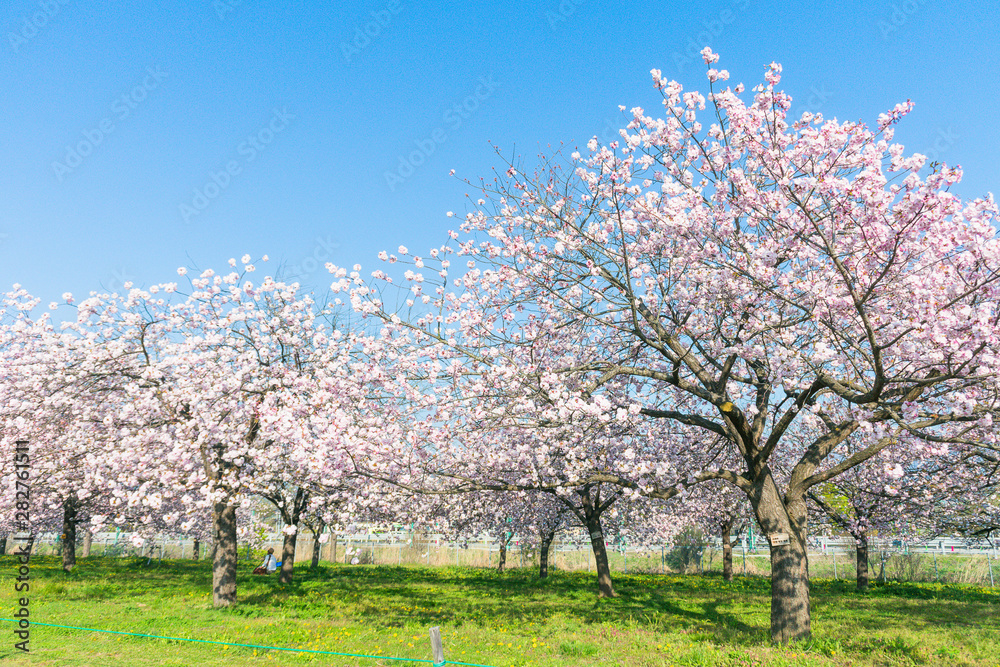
<point x="778" y="539"/>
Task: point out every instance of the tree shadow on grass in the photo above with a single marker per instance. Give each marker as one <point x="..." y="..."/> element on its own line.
<point x="907" y="590"/>
<point x="393" y="596"/>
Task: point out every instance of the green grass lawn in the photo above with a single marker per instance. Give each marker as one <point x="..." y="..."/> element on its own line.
<point x="485" y="618"/>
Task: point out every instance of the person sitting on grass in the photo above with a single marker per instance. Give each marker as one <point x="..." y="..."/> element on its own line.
<point x="269" y="565"/>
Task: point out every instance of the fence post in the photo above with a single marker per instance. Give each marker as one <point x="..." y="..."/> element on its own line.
<point x="989" y="563"/>
<point x="436" y="647"/>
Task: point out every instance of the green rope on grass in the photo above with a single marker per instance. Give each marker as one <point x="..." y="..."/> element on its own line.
<point x="268" y="648"/>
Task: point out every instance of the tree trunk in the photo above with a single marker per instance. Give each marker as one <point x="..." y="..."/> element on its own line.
<point x="224" y="554"/>
<point x="287" y="558"/>
<point x="333" y="548"/>
<point x="605" y="589"/>
<point x="727" y="550"/>
<point x="503" y="552"/>
<point x="3" y="544"/>
<point x="88" y="541"/>
<point x="315" y="555"/>
<point x="290" y="513"/>
<point x="196" y="552"/>
<point x="317" y="546"/>
<point x="70" y="506"/>
<point x="543" y="555"/>
<point x="790" y="612"/>
<point x="862" y="560"/>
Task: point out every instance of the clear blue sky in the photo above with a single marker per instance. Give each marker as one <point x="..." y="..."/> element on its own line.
<point x="310" y="113"/>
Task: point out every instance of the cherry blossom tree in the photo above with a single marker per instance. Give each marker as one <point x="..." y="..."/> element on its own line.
<point x="958" y="491"/>
<point x="717" y="509"/>
<point x="209" y="388"/>
<point x="872" y="496"/>
<point x="769" y="286"/>
<point x="50" y="400"/>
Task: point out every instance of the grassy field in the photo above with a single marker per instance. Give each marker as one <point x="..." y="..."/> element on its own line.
<point x="485" y="618"/>
<point x="927" y="567"/>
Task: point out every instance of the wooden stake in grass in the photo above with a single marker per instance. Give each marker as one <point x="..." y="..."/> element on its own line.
<point x="437" y="647"/>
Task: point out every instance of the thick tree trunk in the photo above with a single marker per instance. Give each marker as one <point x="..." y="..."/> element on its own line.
<point x="70" y="507"/>
<point x="333" y="548"/>
<point x="224" y="554"/>
<point x="605" y="589"/>
<point x="503" y="552"/>
<point x="543" y="555"/>
<point x="3" y="544"/>
<point x="287" y="558"/>
<point x="727" y="551"/>
<point x="196" y="552"/>
<point x="88" y="541"/>
<point x="790" y="611"/>
<point x="862" y="560"/>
